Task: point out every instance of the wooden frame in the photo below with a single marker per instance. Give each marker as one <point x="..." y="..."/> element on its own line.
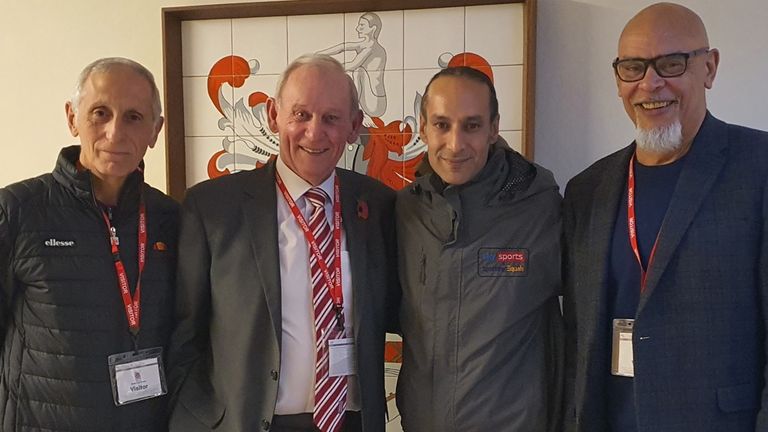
<point x="172" y="53"/>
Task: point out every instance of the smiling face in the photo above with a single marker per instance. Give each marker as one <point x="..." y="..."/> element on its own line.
<point x="458" y="128"/>
<point x="115" y="122"/>
<point x="314" y="118"/>
<point x="655" y="102"/>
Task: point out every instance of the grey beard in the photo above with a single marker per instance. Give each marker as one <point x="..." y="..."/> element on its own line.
<point x="663" y="139"/>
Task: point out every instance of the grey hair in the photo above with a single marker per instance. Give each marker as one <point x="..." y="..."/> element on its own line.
<point x="321" y="61"/>
<point x="105" y="65"/>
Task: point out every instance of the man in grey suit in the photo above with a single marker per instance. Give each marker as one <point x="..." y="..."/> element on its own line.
<point x="281" y="308"/>
<point x="666" y="251"/>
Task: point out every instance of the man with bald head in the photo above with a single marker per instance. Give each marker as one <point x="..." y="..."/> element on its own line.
<point x="666" y="251"/>
<point x="286" y="278"/>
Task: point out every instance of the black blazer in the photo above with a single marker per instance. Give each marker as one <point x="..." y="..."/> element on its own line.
<point x="225" y="352"/>
<point x="699" y="338"/>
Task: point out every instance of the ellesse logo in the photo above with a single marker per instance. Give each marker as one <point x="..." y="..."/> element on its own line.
<point x="52" y="242"/>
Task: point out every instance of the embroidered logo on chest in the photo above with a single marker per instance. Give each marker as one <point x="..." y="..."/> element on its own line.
<point x="494" y="262"/>
<point x="56" y="243"/>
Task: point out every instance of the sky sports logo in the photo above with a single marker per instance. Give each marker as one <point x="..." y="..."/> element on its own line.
<point x="496" y="262"/>
<point x="52" y="242"/>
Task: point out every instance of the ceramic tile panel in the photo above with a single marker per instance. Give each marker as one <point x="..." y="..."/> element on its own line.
<point x="432" y="34"/>
<point x="256" y="142"/>
<point x="252" y="93"/>
<point x="361" y="27"/>
<point x="387" y="105"/>
<point x="314" y="33"/>
<point x="391" y="372"/>
<point x="514" y="139"/>
<point x="414" y="83"/>
<point x="509" y="90"/>
<point x="252" y="52"/>
<point x="207" y="157"/>
<point x="342" y="162"/>
<point x="246" y="155"/>
<point x="203" y="43"/>
<point x="383" y="158"/>
<point x="352" y="158"/>
<point x="263" y="40"/>
<point x="382" y="138"/>
<point x="495" y="32"/>
<point x="201" y="116"/>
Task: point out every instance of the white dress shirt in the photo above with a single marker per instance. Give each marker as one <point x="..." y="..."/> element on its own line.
<point x="295" y="392"/>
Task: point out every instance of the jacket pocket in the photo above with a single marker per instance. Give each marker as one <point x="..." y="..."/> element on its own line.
<point x="737" y="398"/>
<point x="202" y="405"/>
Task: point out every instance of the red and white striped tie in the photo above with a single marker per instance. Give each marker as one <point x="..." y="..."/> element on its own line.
<point x="330" y="392"/>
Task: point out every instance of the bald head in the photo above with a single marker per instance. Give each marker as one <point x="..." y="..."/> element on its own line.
<point x="667" y="105"/>
<point x="667" y="20"/>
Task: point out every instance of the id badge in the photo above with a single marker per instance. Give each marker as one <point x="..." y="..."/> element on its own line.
<point x="137" y="376"/>
<point x="622" y="361"/>
<point x="341" y="357"/>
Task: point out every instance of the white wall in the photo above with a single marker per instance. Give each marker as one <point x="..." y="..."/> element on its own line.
<point x="45" y="43"/>
<point x="579" y="117"/>
<point x="43" y="46"/>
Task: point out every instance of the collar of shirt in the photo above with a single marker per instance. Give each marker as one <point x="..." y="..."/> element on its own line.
<point x="297" y="186"/>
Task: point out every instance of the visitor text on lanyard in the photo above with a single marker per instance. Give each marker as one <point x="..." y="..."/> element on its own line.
<point x="333" y="283"/>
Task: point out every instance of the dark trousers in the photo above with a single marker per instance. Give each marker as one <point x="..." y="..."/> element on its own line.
<point x="303" y="423"/>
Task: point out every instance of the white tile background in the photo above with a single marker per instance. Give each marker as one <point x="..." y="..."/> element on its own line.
<point x="415" y="41"/>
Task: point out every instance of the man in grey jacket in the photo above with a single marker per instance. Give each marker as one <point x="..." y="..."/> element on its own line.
<point x="478" y="235"/>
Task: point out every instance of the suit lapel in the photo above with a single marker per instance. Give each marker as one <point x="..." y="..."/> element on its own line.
<point x="594" y="258"/>
<point x="703" y="164"/>
<point x="607" y="198"/>
<point x="356" y="238"/>
<point x="260" y="216"/>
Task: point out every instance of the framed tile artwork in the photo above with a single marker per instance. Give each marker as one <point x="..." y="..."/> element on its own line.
<point x="222" y="63"/>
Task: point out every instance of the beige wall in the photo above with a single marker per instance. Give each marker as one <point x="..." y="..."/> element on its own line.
<point x="43" y="46"/>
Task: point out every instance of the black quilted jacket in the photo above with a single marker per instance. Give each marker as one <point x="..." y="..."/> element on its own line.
<point x="61" y="313"/>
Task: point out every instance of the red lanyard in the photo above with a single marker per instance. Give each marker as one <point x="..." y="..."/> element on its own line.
<point x="132" y="310"/>
<point x="632" y="225"/>
<point x="334" y="284"/>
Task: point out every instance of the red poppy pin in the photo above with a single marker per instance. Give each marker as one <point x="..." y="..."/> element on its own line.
<point x="362" y="209"/>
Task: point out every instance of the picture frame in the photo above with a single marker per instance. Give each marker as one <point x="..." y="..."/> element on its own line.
<point x="174" y="19"/>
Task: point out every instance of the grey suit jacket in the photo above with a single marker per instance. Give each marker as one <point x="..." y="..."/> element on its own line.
<point x="224" y="360"/>
<point x="700" y="333"/>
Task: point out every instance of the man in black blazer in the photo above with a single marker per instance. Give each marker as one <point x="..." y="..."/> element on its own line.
<point x="666" y="252"/>
<point x="243" y="355"/>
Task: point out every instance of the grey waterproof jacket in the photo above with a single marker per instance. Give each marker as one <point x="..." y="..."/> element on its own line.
<point x="481" y="324"/>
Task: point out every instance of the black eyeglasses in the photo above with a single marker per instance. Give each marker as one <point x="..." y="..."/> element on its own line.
<point x="666" y="66"/>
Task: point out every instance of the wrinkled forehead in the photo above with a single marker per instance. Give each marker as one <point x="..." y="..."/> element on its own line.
<point x="118" y="81"/>
<point x="312" y="83"/>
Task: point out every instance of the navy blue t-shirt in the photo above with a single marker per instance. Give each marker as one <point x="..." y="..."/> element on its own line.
<point x="654" y="186"/>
